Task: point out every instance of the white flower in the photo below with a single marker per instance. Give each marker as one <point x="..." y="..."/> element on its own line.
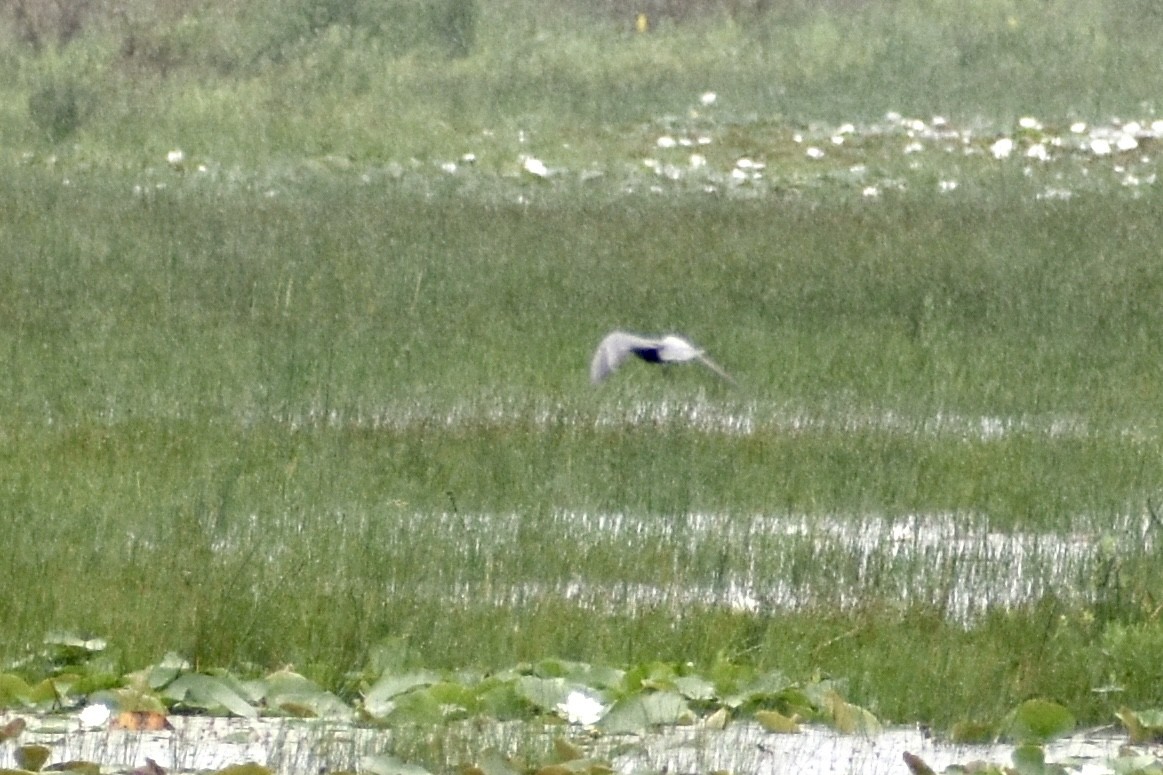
<point x="448" y="167"/>
<point x="945" y="186"/>
<point x="1126" y="142"/>
<point x="1078" y="127"/>
<point x="666" y="141"/>
<point x="814" y="153"/>
<point x="870" y="192"/>
<point x="914" y="147"/>
<point x="1038" y="151"/>
<point x="581" y="708"/>
<point x="708" y="98"/>
<point x="698" y="161"/>
<point x="1099" y="146"/>
<point x="1028" y="122"/>
<point x="1002" y="148"/>
<point x="176" y="157"/>
<point x="534" y="166"/>
<point x="94" y="716"/>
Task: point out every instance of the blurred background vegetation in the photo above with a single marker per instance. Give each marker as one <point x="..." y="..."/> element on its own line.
<point x="384" y="78"/>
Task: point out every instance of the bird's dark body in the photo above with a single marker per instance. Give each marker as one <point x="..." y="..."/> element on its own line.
<point x="648" y="354"/>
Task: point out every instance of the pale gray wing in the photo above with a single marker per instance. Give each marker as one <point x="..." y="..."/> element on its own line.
<point x="613" y="350"/>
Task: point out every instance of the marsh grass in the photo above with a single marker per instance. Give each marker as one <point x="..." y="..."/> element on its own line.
<point x="241" y="82"/>
<point x="268" y="429"/>
<point x="317" y="394"/>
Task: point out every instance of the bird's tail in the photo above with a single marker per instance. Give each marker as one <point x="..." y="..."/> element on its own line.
<point x="717" y="369"/>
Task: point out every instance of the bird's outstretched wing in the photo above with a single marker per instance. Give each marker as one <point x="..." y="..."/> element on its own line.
<point x="612" y="351"/>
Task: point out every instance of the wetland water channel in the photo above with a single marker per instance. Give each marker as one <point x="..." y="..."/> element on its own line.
<point x="786" y="562"/>
<point x="298" y="746"/>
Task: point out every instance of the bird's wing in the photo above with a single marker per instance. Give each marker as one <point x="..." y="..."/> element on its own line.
<point x="613" y="350"/>
<point x="716" y="368"/>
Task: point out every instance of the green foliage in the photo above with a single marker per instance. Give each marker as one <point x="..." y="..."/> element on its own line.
<point x="57" y="109"/>
<point x="307" y="382"/>
<point x="378" y="77"/>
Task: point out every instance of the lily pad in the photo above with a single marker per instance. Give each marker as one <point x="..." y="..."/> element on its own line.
<point x="637" y="714"/>
<point x="379" y="701"/>
<point x="1036" y="721"/>
<point x="14" y="691"/>
<point x="250" y="768"/>
<point x="31" y="757"/>
<point x="210" y="693"/>
<point x="848" y="718"/>
<point x="545" y="694"/>
<point x="1144" y="726"/>
<point x="774" y="721"/>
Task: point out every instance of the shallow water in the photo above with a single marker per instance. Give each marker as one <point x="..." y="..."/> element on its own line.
<point x="198" y="743"/>
<point x="792" y="562"/>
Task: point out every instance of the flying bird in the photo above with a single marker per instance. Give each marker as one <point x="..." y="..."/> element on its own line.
<point x="619" y="345"/>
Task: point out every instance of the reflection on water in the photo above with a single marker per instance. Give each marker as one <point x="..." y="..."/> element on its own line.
<point x="293" y="745"/>
<point x="787" y="562"/>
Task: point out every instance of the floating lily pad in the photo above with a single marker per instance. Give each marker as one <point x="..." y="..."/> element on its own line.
<point x="31" y="757"/>
<point x="1036" y="721"/>
<point x="12" y="729"/>
<point x="545" y="694"/>
<point x="14" y="691"/>
<point x="848" y="718"/>
<point x="972" y="732"/>
<point x="76" y="767"/>
<point x="1144" y="726"/>
<point x="250" y="768"/>
<point x="774" y="721"/>
<point x="637" y="714"/>
<point x="379" y="701"/>
<point x="210" y="693"/>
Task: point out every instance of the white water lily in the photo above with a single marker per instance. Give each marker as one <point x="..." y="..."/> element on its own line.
<point x="1100" y="146"/>
<point x="94" y="716"/>
<point x="1038" y="151"/>
<point x="581" y="708"/>
<point x="534" y="166"/>
<point x="1126" y="142"/>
